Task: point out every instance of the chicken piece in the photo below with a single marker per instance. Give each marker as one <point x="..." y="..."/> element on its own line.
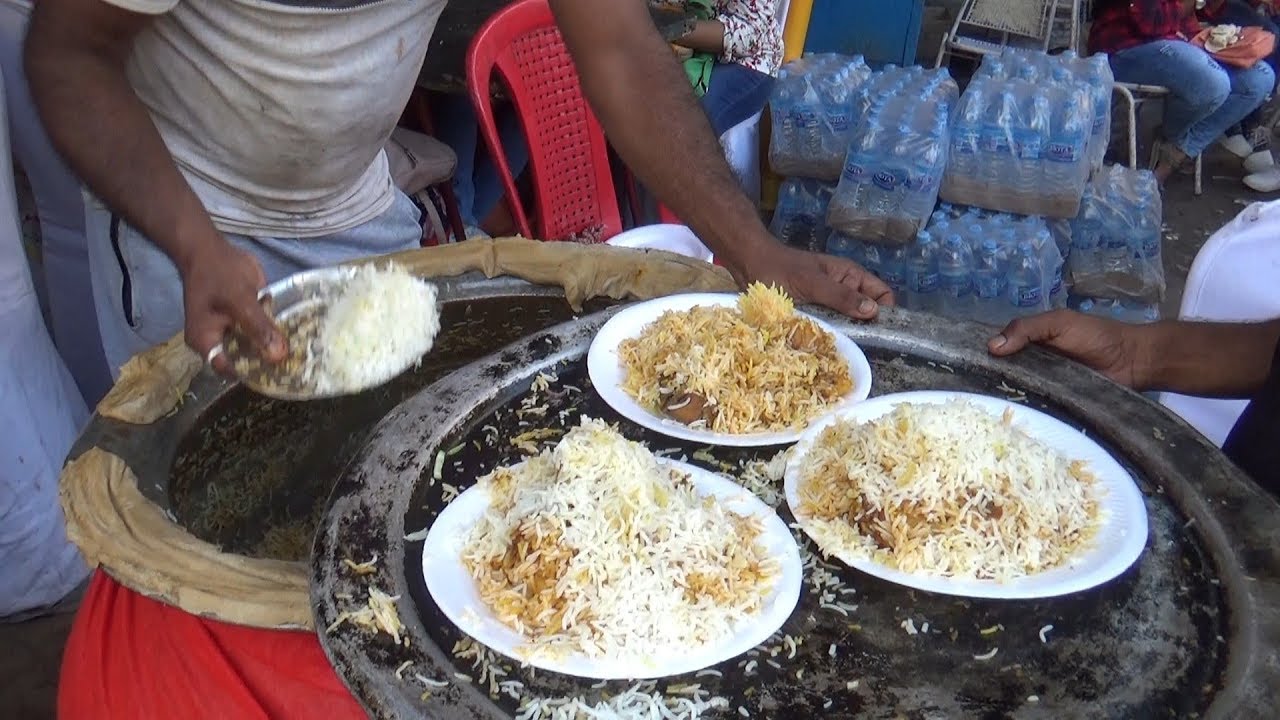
<point x="805" y="336"/>
<point x="686" y="407"/>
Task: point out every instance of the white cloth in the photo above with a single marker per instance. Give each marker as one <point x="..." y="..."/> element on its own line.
<point x="277" y="110"/>
<point x="1235" y="278"/>
<point x="41" y="413"/>
<point x="64" y="253"/>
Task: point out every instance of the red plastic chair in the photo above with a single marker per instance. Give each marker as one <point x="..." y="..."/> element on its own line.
<point x="568" y="154"/>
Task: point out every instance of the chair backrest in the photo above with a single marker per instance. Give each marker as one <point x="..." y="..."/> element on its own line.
<point x="568" y="155"/>
<point x="1025" y="18"/>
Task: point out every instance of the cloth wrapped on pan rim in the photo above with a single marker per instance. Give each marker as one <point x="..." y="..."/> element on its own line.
<point x="121" y="531"/>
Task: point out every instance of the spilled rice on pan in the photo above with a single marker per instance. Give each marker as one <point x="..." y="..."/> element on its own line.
<point x="383" y="321"/>
<point x="759" y="367"/>
<point x="594" y="547"/>
<point x="948" y="490"/>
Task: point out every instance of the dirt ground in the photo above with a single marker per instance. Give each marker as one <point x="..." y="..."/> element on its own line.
<point x="32" y="651"/>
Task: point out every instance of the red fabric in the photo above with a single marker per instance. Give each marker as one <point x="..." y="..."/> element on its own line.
<point x="130" y="657"/>
<point x="1122" y="24"/>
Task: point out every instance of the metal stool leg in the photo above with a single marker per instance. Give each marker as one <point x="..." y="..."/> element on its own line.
<point x="451" y="209"/>
<point x="1131" y="107"/>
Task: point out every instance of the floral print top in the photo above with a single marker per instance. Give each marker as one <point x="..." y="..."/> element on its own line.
<point x="752" y="33"/>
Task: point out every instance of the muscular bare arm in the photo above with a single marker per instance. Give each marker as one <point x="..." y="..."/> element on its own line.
<point x="652" y="118"/>
<point x="76" y="53"/>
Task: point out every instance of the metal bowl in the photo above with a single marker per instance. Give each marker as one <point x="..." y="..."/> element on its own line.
<point x="298" y="305"/>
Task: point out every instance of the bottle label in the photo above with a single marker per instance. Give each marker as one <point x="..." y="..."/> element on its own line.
<point x="995" y="143"/>
<point x="894" y="279"/>
<point x="885" y="180"/>
<point x="1063" y="152"/>
<point x="1026" y="296"/>
<point x="925" y="282"/>
<point x="855" y="172"/>
<point x="838" y="122"/>
<point x="806" y="119"/>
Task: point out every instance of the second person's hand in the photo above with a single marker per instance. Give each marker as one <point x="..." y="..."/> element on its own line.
<point x="819" y="279"/>
<point x="220" y="291"/>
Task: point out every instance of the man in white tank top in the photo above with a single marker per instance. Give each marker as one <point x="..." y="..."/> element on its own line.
<point x="232" y="142"/>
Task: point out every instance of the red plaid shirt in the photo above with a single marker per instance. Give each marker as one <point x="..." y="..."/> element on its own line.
<point x="1122" y="24"/>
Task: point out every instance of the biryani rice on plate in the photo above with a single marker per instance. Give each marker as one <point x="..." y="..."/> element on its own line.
<point x="595" y="547"/>
<point x="759" y="367"/>
<point x="948" y="490"/>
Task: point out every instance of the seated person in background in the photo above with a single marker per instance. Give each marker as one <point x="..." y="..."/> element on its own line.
<point x="1147" y="42"/>
<point x="1225" y="360"/>
<point x="476" y="182"/>
<point x="1253" y="139"/>
<point x="731" y="56"/>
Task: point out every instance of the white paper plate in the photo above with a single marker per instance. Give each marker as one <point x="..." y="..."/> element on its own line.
<point x="678" y="239"/>
<point x="1117" y="545"/>
<point x="455" y="593"/>
<point x="605" y="369"/>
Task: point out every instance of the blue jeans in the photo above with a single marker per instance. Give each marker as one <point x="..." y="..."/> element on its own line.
<point x="736" y="93"/>
<point x="138" y="292"/>
<point x="476" y="181"/>
<point x="1206" y="98"/>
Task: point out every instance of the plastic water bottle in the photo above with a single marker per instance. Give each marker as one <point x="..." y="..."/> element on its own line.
<point x="893" y="270"/>
<point x="1066" y="149"/>
<point x="955" y="277"/>
<point x="1055" y="267"/>
<point x="1086" y="236"/>
<point x="1115" y="255"/>
<point x="891" y="180"/>
<point x="1032" y="138"/>
<point x="1026" y="279"/>
<point x="860" y="165"/>
<point x="808" y="125"/>
<point x="996" y="142"/>
<point x="922" y="274"/>
<point x="841" y="245"/>
<point x="988" y="284"/>
<point x="932" y="164"/>
<point x="965" y="135"/>
<point x="783" y="104"/>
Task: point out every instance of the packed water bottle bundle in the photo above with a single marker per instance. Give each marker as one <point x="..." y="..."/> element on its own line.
<point x="969" y="264"/>
<point x="800" y="218"/>
<point x="896" y="157"/>
<point x="1094" y="71"/>
<point x="1116" y="241"/>
<point x="1021" y="143"/>
<point x="812" y="112"/>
